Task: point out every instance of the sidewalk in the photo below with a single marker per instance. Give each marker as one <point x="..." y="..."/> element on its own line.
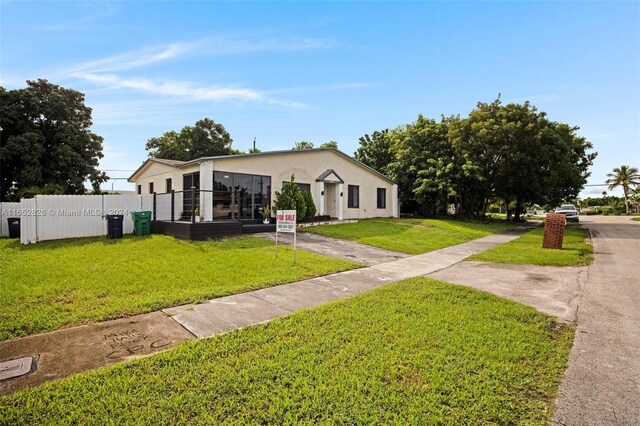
<point x="241" y="310"/>
<point x="73" y="350"/>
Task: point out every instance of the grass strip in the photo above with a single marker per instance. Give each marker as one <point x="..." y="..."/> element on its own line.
<point x="416" y="352"/>
<point x="412" y="236"/>
<point x="527" y="249"/>
<point x="54" y="284"/>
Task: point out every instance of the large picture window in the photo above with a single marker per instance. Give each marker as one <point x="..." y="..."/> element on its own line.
<point x="382" y="198"/>
<point x="240" y="196"/>
<point x="353" y="197"/>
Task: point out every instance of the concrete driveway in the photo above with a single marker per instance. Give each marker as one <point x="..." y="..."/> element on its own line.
<point x="550" y="289"/>
<point x="341" y="249"/>
<point x="602" y="383"/>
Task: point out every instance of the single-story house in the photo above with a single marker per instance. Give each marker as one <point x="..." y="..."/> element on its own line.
<point x="240" y="186"/>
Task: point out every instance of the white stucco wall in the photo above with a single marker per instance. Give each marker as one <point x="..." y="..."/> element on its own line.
<point x="306" y="166"/>
<point x="159" y="173"/>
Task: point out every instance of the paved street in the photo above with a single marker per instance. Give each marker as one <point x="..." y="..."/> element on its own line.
<point x="602" y="384"/>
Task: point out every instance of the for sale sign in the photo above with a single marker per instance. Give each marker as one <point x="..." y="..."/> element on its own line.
<point x="286" y="221"/>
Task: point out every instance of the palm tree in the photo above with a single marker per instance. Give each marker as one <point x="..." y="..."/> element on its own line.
<point x="623" y="176"/>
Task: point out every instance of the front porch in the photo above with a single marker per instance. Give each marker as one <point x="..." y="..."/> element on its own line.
<point x="203" y="230"/>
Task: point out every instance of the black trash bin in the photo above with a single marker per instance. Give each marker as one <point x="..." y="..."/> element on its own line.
<point x="114" y="225"/>
<point x="14" y="227"/>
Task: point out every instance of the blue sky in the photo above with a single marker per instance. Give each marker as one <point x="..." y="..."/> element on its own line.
<point x="284" y="72"/>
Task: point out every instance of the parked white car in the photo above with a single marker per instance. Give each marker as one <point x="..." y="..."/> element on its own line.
<point x="570" y="212"/>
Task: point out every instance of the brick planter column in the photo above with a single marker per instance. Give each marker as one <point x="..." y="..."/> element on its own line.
<point x="553" y="231"/>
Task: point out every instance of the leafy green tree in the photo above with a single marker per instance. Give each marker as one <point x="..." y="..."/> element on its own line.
<point x="376" y="150"/>
<point x="624" y="176"/>
<point x="425" y="167"/>
<point x="520" y="155"/>
<point x="205" y="139"/>
<point x="311" y="207"/>
<point x="291" y="198"/>
<point x="46" y="142"/>
<point x="302" y="145"/>
<point x="330" y="144"/>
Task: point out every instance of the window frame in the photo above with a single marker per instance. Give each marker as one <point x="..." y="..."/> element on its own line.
<point x="353" y="202"/>
<point x="151" y="188"/>
<point x="168" y="182"/>
<point x="382" y="205"/>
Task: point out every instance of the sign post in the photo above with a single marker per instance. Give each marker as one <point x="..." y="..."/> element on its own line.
<point x="286" y="222"/>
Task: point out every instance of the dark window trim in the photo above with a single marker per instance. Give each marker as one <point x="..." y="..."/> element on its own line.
<point x="351" y="202"/>
<point x="168" y="184"/>
<point x="151" y="188"/>
<point x="384" y="198"/>
<point x="245" y="174"/>
<point x="194" y="182"/>
<point x="139" y="189"/>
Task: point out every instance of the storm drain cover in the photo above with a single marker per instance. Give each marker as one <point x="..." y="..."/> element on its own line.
<point x="15" y="367"/>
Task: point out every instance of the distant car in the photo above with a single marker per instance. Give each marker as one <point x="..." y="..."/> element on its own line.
<point x="569" y="211"/>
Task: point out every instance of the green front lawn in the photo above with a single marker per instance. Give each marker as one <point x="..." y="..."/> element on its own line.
<point x="415" y="352"/>
<point x="637" y="219"/>
<point x="413" y="236"/>
<point x="60" y="283"/>
<point x="527" y="249"/>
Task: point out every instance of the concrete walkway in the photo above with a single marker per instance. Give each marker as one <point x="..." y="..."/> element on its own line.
<point x="241" y="310"/>
<point x="74" y="350"/>
<point x="341" y="249"/>
<point x="602" y="384"/>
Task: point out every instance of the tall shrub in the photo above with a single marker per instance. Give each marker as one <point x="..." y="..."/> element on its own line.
<point x="311" y="207"/>
<point x="291" y="198"/>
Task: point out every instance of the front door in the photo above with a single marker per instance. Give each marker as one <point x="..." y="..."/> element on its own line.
<point x="330" y="199"/>
<point x="188" y="203"/>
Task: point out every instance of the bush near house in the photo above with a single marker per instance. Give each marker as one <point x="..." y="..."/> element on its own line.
<point x="291" y="198"/>
<point x="311" y="207"/>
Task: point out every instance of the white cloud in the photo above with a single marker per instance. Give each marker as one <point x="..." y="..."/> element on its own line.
<point x="172" y="88"/>
<point x="205" y="47"/>
<point x="113" y="72"/>
<point x="134" y="59"/>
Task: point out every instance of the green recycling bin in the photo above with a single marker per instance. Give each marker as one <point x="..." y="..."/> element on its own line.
<point x="141" y="222"/>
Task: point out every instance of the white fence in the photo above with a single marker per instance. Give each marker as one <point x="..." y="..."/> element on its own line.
<point x="52" y="217"/>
